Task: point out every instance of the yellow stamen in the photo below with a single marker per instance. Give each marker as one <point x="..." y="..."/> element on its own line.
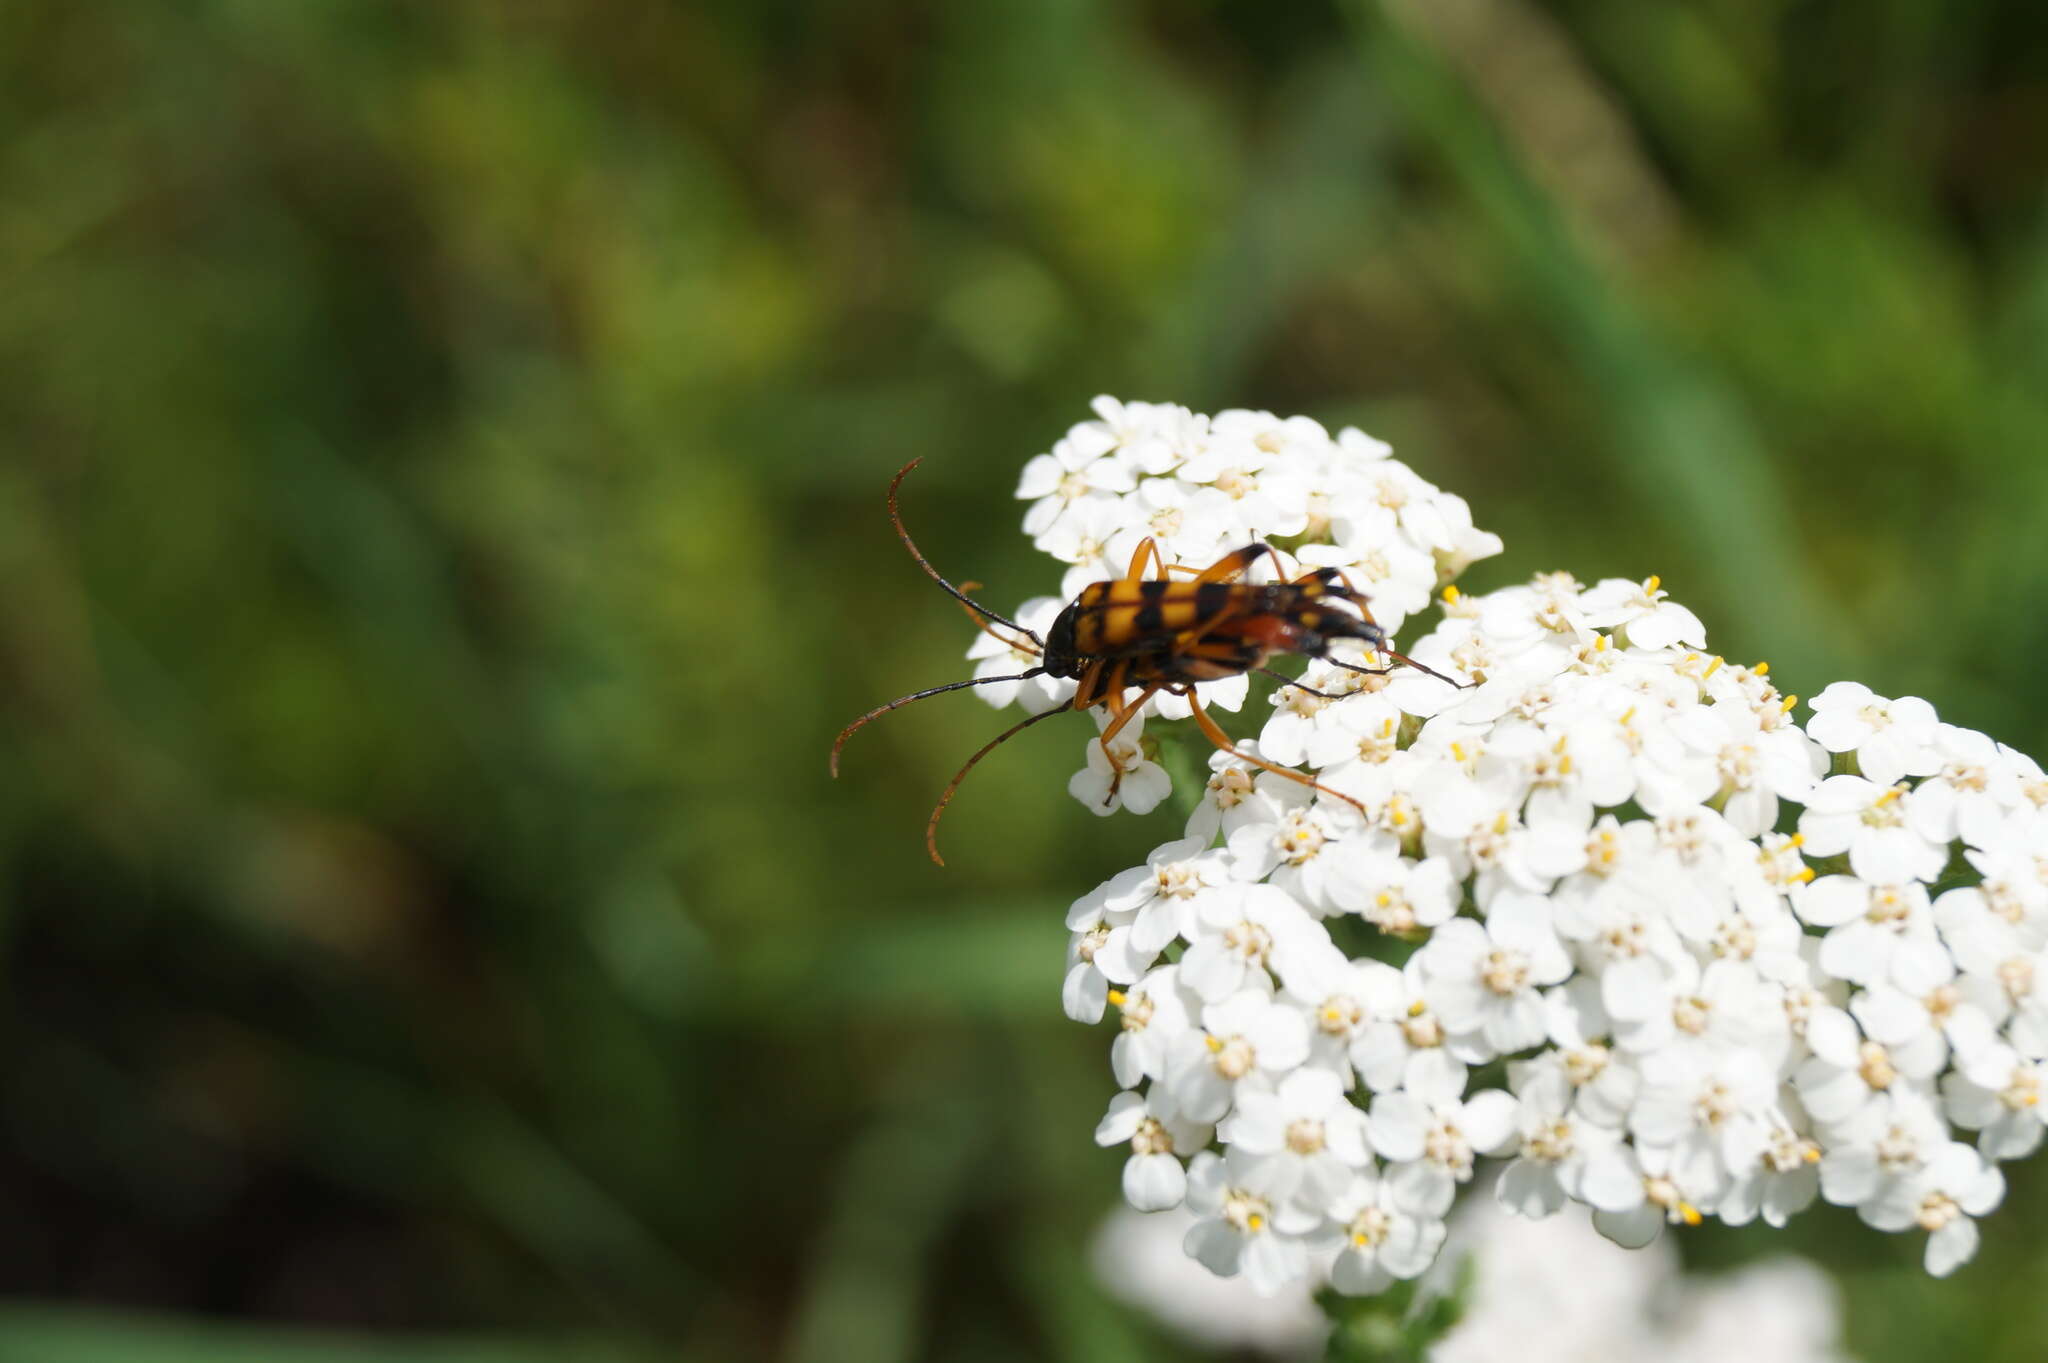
<point x="1712" y="668"/>
<point x="1255" y="1221"/>
<point x="1805" y="874"/>
<point x="1116" y="996"/>
<point x="1215" y="1043"/>
<point x="1797" y="840"/>
<point x="1762" y="669"/>
<point x="1790" y="701"/>
<point x="1451" y="594"/>
<point x="1417" y="1008"/>
<point x="1689" y="1214"/>
<point x="1651" y="583"/>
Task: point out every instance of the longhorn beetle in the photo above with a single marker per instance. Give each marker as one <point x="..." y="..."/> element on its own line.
<point x="1158" y="634"/>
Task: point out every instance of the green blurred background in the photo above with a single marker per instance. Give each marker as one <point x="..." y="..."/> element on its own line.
<point x="441" y="531"/>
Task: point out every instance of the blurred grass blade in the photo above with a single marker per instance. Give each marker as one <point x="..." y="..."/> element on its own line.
<point x="1682" y="441"/>
<point x="62" y="1335"/>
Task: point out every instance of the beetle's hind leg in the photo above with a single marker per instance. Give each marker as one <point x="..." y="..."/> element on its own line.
<point x="1121" y="713"/>
<point x="1214" y="733"/>
<point x="1238" y="561"/>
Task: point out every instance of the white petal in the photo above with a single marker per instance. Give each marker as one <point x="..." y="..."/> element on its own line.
<point x="1271" y="1262"/>
<point x="1120" y="1123"/>
<point x="1611" y="1182"/>
<point x="1397" y="1125"/>
<point x="1949" y="1248"/>
<point x="1215" y="1246"/>
<point x="1153" y="1183"/>
<point x="1530" y="1189"/>
<point x="1489" y="1120"/>
<point x="1085" y="993"/>
<point x="1630" y="1229"/>
<point x="1421" y="1188"/>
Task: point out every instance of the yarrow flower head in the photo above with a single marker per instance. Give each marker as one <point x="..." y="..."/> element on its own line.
<point x="1591" y="906"/>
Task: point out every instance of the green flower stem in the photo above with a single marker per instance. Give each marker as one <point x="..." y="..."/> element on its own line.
<point x="1398" y="1325"/>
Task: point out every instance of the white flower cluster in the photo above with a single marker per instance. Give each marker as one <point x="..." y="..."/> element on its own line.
<point x="1607" y="914"/>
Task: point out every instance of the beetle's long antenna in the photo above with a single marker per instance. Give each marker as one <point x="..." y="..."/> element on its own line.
<point x="983" y="625"/>
<point x="931" y="829"/>
<point x="896" y="519"/>
<point x="1286" y="680"/>
<point x="901" y="701"/>
<point x="1404" y="660"/>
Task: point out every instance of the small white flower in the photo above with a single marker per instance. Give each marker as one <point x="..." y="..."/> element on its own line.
<point x="1409" y="1047"/>
<point x="1141" y="1259"/>
<point x="1384" y="1236"/>
<point x="1081" y="537"/>
<point x="1246" y="1039"/>
<point x="1849" y="1075"/>
<point x="1121" y="776"/>
<point x="1353" y="739"/>
<point x="1434" y="1137"/>
<point x="1874" y="824"/>
<point x="1240" y="1228"/>
<point x="1971" y="794"/>
<point x="1166" y="893"/>
<point x="1785" y="1181"/>
<point x="1645" y="611"/>
<point x="1711" y="1111"/>
<point x="1240" y="930"/>
<point x="1300" y="715"/>
<point x="1306" y="1138"/>
<point x="1758" y="766"/>
<point x="1188" y="524"/>
<point x="1680" y="1005"/>
<point x="1563" y="1154"/>
<point x="1877" y="933"/>
<point x="1345" y="1000"/>
<point x="1999" y="1093"/>
<point x="1888" y="1139"/>
<point x="1078" y="473"/>
<point x="1150" y="1014"/>
<point x="1671" y="1195"/>
<point x="1920" y="1030"/>
<point x="1154" y="1178"/>
<point x="1487" y="979"/>
<point x="1099" y="953"/>
<point x="1602" y="1081"/>
<point x="1293" y="847"/>
<point x="1940" y="1198"/>
<point x="1369" y="878"/>
<point x="1234" y="796"/>
<point x="1892" y="739"/>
